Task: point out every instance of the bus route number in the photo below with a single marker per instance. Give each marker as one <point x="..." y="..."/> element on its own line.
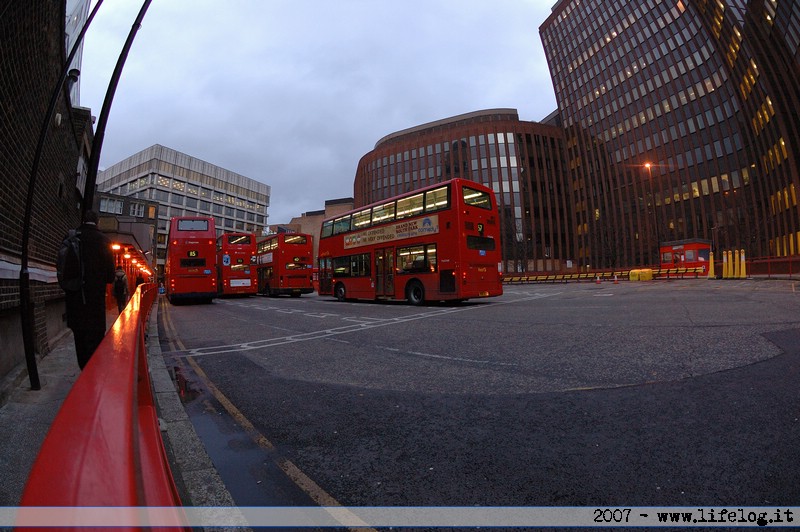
<point x="191" y="253"/>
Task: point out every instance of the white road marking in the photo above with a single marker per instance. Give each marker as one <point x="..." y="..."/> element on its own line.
<point x="371" y="323"/>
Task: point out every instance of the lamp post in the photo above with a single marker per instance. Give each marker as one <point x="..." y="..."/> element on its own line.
<point x="649" y="167"/>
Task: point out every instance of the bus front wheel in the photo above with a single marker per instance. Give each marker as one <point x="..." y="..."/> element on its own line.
<point x="415" y="293"/>
<point x="340" y="292"/>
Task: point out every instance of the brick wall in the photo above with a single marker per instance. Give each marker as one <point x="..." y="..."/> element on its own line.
<point x="31" y="60"/>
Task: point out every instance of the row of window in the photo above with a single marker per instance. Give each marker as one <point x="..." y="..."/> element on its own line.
<point x="127" y="183"/>
<point x="190" y="193"/>
<point x="214" y="183"/>
<point x="421" y="258"/>
<point x="393" y="184"/>
<point x="478" y="144"/>
<point x="412" y="205"/>
<point x="422" y="203"/>
<point x="116" y="206"/>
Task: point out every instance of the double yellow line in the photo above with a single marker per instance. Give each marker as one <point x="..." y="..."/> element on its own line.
<point x="303" y="481"/>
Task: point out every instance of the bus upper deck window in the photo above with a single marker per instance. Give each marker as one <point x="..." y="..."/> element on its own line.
<point x="436" y="199"/>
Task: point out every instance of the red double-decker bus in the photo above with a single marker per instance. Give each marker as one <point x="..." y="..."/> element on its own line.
<point x="436" y="243"/>
<point x="236" y="255"/>
<point x="190" y="269"/>
<point x="284" y="264"/>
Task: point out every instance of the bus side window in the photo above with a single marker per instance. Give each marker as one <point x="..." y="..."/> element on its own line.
<point x="327" y="229"/>
<point x="437" y="199"/>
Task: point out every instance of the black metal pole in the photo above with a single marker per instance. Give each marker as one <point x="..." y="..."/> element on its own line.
<point x="100" y="131"/>
<point x="25" y="303"/>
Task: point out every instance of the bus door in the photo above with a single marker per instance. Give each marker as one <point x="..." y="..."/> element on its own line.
<point x="325" y="276"/>
<point x="384" y="272"/>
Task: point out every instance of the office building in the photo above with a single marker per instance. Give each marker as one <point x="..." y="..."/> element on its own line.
<point x="183" y="185"/>
<point x="521" y="161"/>
<point x="680" y="121"/>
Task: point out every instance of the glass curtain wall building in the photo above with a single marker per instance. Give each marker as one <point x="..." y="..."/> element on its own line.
<point x="183" y="185"/>
<point x="680" y="121"/>
<point x="521" y="161"/>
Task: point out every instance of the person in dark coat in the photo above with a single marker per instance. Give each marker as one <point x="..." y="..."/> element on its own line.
<point x="86" y="309"/>
<point x="121" y="289"/>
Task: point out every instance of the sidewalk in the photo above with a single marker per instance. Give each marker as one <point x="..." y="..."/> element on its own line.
<point x="26" y="416"/>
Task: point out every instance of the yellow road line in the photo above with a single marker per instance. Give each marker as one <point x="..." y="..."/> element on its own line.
<point x="295" y="474"/>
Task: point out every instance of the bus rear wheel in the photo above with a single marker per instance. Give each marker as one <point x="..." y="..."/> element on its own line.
<point x="340" y="292"/>
<point x="415" y="293"/>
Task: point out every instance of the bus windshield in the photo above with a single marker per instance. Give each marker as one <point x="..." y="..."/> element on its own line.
<point x="477" y="198"/>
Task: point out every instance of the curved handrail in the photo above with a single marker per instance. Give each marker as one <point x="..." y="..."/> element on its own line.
<point x="104" y="448"/>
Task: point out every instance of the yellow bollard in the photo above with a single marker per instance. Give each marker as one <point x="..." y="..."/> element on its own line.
<point x="735" y="270"/>
<point x="725" y="258"/>
<point x="711" y="266"/>
<point x="730" y="264"/>
<point x="742" y="267"/>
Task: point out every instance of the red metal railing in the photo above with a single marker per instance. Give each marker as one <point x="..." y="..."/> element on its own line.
<point x="104" y="447"/>
<point x="775" y="266"/>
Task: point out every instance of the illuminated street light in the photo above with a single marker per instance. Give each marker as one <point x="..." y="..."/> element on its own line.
<point x="649" y="167"/>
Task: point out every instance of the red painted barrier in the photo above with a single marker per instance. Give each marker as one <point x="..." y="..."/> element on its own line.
<point x="104" y="447"/>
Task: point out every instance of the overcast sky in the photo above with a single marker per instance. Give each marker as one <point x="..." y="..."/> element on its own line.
<point x="293" y="93"/>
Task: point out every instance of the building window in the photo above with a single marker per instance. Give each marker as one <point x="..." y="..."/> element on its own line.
<point x="137" y="210"/>
<point x="111" y="205"/>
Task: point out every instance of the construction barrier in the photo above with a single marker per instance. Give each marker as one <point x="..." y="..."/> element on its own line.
<point x="645" y="274"/>
<point x="639" y="274"/>
<point x="104" y="448"/>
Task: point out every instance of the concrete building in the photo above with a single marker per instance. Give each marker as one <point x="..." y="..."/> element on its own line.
<point x="184" y="185"/>
<point x="680" y="121"/>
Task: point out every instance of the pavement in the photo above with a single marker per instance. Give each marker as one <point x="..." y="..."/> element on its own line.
<point x="26" y="416"/>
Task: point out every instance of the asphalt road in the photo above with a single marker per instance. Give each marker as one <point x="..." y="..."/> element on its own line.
<point x="681" y="393"/>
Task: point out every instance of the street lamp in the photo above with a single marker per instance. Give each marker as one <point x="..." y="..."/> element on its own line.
<point x="649" y="167"/>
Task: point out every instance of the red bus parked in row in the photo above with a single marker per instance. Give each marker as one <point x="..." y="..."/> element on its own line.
<point x="284" y="263"/>
<point x="236" y="255"/>
<point x="437" y="243"/>
<point x="190" y="270"/>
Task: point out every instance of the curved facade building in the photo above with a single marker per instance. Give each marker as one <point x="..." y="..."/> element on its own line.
<point x="521" y="161"/>
<point x="680" y="121"/>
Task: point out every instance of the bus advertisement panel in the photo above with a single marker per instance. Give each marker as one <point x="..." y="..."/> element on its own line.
<point x="236" y="255"/>
<point x="284" y="264"/>
<point x="437" y="243"/>
<point x="190" y="268"/>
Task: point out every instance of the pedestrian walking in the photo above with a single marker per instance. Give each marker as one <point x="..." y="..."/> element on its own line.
<point x="121" y="289"/>
<point x="86" y="307"/>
